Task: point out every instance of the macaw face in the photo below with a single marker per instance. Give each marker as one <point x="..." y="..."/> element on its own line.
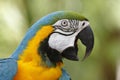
<point x="65" y="35"/>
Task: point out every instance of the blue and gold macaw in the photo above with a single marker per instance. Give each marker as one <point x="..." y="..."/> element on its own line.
<point x="52" y="38"/>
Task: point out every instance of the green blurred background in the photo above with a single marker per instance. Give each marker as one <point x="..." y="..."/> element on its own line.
<point x="16" y="16"/>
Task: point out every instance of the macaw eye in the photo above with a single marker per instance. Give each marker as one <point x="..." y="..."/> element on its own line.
<point x="64" y="23"/>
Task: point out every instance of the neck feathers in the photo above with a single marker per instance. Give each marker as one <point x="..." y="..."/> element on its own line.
<point x="30" y="53"/>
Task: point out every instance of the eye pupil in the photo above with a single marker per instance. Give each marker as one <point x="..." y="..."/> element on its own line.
<point x="64" y="22"/>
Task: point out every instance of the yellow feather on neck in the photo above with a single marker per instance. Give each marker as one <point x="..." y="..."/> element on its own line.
<point x="30" y="65"/>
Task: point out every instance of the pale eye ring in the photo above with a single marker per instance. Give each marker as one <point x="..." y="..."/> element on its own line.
<point x="64" y="23"/>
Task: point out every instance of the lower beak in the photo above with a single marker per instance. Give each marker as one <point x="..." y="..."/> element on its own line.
<point x="87" y="38"/>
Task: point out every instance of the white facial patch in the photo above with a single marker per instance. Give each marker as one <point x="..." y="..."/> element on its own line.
<point x="61" y="42"/>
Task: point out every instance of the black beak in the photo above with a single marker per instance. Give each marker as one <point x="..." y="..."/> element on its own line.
<point x="87" y="38"/>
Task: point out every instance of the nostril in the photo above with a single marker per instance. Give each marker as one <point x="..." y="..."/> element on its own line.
<point x="83" y="23"/>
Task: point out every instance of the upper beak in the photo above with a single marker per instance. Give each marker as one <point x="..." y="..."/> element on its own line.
<point x="87" y="38"/>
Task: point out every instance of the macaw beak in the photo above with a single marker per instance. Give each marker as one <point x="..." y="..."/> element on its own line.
<point x="87" y="38"/>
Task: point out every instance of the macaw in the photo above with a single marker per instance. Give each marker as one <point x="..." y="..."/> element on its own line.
<point x="51" y="39"/>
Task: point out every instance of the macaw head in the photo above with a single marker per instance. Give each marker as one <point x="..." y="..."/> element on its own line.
<point x="68" y="28"/>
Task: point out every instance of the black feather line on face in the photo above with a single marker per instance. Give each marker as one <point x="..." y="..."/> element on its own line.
<point x="64" y="34"/>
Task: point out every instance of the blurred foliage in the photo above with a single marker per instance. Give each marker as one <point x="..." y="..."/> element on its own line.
<point x="104" y="15"/>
